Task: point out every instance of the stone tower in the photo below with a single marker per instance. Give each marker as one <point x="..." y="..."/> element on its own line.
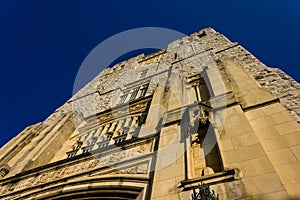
<point x="153" y="127"/>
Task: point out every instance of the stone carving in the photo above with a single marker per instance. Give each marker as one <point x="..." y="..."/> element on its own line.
<point x="137" y="169"/>
<point x="94" y="103"/>
<point x="140" y="107"/>
<point x="4" y="170"/>
<point x="50" y="175"/>
<point x="55" y="174"/>
<point x="126" y="154"/>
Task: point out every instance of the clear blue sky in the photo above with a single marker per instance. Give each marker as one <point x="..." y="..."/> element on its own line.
<point x="43" y="43"/>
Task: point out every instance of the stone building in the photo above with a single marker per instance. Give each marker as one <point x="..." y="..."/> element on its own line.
<point x="153" y="127"/>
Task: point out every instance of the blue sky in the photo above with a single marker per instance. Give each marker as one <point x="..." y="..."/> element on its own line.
<point x="43" y="43"/>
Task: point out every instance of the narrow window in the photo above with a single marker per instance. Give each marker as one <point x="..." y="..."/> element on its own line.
<point x="71" y="154"/>
<point x="133" y="94"/>
<point x="77" y="146"/>
<point x="123" y="97"/>
<point x="143" y="90"/>
<point x="92" y="141"/>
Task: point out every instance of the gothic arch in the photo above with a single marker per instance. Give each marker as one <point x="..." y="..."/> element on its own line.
<point x="114" y="187"/>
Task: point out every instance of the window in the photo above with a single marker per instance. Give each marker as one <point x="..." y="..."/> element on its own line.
<point x="108" y="136"/>
<point x="92" y="141"/>
<point x="87" y="149"/>
<point x="125" y="130"/>
<point x="202" y="91"/>
<point x="71" y="154"/>
<point x="74" y="150"/>
<point x="133" y="94"/>
<point x="77" y="146"/>
<point x="102" y="145"/>
<point x="123" y="97"/>
<point x="143" y="73"/>
<point x="143" y="90"/>
<point x="119" y="140"/>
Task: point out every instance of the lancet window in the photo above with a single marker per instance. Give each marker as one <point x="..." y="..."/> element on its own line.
<point x="114" y="132"/>
<point x="203" y="88"/>
<point x="133" y="94"/>
<point x="74" y="150"/>
<point x="123" y="97"/>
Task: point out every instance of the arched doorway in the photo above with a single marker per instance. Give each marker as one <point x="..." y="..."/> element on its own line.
<point x="109" y="188"/>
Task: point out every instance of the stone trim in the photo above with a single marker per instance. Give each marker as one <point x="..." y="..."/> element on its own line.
<point x="213" y="179"/>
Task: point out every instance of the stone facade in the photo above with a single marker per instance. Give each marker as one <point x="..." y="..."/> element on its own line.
<point x="153" y="127"/>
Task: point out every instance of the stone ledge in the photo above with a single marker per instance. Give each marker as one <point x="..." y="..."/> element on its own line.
<point x="213" y="179"/>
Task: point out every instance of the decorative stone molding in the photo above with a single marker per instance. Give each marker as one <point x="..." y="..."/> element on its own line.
<point x="4" y="170"/>
<point x="113" y="157"/>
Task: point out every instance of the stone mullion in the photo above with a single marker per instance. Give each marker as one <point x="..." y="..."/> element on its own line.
<point x="197" y="89"/>
<point x="133" y="126"/>
<point x="127" y="97"/>
<point x="96" y="136"/>
<point x="139" y="92"/>
<point x="90" y="136"/>
<point x="103" y="132"/>
<point x="127" y="122"/>
<point x="111" y="130"/>
<point x="105" y="129"/>
<point x="99" y="133"/>
<point x="119" y="126"/>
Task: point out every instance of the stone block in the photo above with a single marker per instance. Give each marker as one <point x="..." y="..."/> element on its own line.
<point x="292" y="188"/>
<point x="170" y="172"/>
<point x="273" y="108"/>
<point x="288" y="127"/>
<point x="256" y="166"/>
<point x="289" y="171"/>
<point x="275" y="143"/>
<point x="293" y="138"/>
<point x="244" y="140"/>
<point x="281" y="156"/>
<point x="263" y="184"/>
<point x="243" y="154"/>
<point x="237" y="130"/>
<point x="281" y="195"/>
<point x="225" y="145"/>
<point x="296" y="152"/>
<point x="282" y="117"/>
<point x="266" y="133"/>
<point x="169" y="139"/>
<point x="254" y="114"/>
<point x="164" y="187"/>
<point x="260" y="123"/>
